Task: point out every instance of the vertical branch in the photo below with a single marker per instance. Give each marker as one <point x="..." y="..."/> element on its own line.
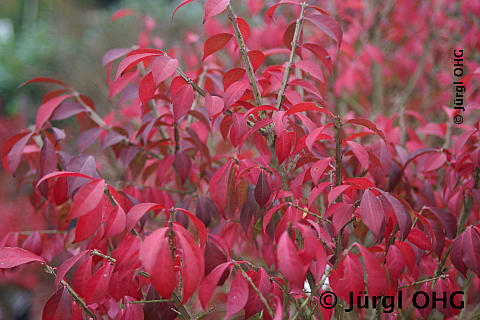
<point x="295" y="42"/>
<point x="338" y="151"/>
<point x="243" y="52"/>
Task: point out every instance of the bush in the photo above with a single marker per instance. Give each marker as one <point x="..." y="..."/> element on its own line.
<point x="259" y="173"/>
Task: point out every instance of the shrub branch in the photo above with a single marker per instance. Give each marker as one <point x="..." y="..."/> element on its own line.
<point x="243" y="52"/>
<point x="295" y="43"/>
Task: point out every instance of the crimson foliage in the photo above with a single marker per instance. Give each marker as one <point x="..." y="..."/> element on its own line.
<point x="237" y="163"/>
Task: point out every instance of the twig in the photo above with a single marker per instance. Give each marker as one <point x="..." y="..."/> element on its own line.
<point x="254" y="287"/>
<point x="243" y="52"/>
<point x="27" y="233"/>
<point x="150" y="301"/>
<point x="308" y="212"/>
<point x="191" y="82"/>
<point x="95" y="252"/>
<point x="75" y="296"/>
<point x="99" y="121"/>
<point x="442" y="276"/>
<point x="338" y="152"/>
<point x="201" y="82"/>
<point x="295" y="42"/>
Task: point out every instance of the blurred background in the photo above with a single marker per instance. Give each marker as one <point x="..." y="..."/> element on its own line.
<point x="66" y="39"/>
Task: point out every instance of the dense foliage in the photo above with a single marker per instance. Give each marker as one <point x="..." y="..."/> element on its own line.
<point x="254" y="166"/>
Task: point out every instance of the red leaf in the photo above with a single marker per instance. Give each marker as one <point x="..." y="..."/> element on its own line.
<point x="87" y="224"/>
<point x="244" y="28"/>
<point x="134" y="59"/>
<point x="289" y="34"/>
<point x="262" y="282"/>
<point x="182" y="164"/>
<point x="215" y="43"/>
<point x="59" y="306"/>
<point x="246" y="214"/>
<point x="67" y="265"/>
<point x="210" y="282"/>
<point x="447" y="219"/>
<point x="163" y="67"/>
<point x="408" y="255"/>
<point x="283" y="145"/>
<point x="371" y="212"/>
<point x="67" y="109"/>
<point x="318" y="168"/>
<point x="234" y="92"/>
<point x="146" y="89"/>
<point x="44" y="79"/>
<point x="347" y="277"/>
<point x="116" y="222"/>
<point x="218" y="187"/>
<point x="237" y="295"/>
<point x="48" y="161"/>
<point x="403" y="217"/>
<point x="15" y="154"/>
<point x="97" y="285"/>
<point x="87" y="198"/>
<point x="81" y="276"/>
<point x="232" y="76"/>
<point x="341" y="212"/>
<point x="137" y="211"/>
<point x="182" y="102"/>
<point x="156" y="257"/>
<point x="456" y="255"/>
<point x="262" y="190"/>
<point x="471" y="250"/>
<point x="214" y="7"/>
<point x="368" y="124"/>
<point x="289" y="261"/>
<point x="336" y="192"/>
<point x="360" y="153"/>
<point x="256" y="58"/>
<point x="213" y="104"/>
<point x="311" y="67"/>
<point x="272" y="9"/>
<point x="395" y="262"/>
<point x="238" y="128"/>
<point x="123" y="13"/>
<point x="269" y="214"/>
<point x="320" y="53"/>
<point x="435" y="161"/>
<point x="46" y="109"/>
<point x="306" y="106"/>
<point x="375" y="273"/>
<point x="62" y="174"/>
<point x="462" y="139"/>
<point x="419" y="239"/>
<point x="113" y="55"/>
<point x="12" y="257"/>
<point x="193" y="265"/>
<point x="328" y="25"/>
<point x="202" y="231"/>
<point x="181" y="5"/>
